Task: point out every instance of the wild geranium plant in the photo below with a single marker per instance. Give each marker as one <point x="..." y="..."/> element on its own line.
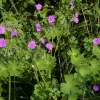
<point x="49" y="50"/>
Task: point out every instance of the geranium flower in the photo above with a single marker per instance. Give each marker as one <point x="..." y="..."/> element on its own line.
<point x="49" y="46"/>
<point x="42" y="40"/>
<point x="38" y="6"/>
<point x="2" y="29"/>
<point x="76" y="19"/>
<point x="38" y="27"/>
<point x="32" y="45"/>
<point x="72" y="3"/>
<point x="95" y="87"/>
<point x="51" y="19"/>
<point x="2" y="42"/>
<point x="96" y="41"/>
<point x="14" y="33"/>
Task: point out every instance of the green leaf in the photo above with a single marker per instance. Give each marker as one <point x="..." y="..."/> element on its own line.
<point x="25" y="4"/>
<point x="69" y="78"/>
<point x="94" y="66"/>
<point x="96" y="51"/>
<point x="15" y="68"/>
<point x="71" y="85"/>
<point x="47" y="62"/>
<point x="54" y="82"/>
<point x="77" y="60"/>
<point x="73" y="97"/>
<point x="3" y="70"/>
<point x="63" y="88"/>
<point x="73" y="52"/>
<point x="84" y="70"/>
<point x="97" y="10"/>
<point x="98" y="25"/>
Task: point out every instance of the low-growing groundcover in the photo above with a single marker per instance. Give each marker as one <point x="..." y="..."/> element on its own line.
<point x="49" y="49"/>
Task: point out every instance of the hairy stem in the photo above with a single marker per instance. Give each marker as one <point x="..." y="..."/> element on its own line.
<point x="9" y="88"/>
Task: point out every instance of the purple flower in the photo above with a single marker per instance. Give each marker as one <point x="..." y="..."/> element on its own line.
<point x="72" y="3"/>
<point x="98" y="40"/>
<point x="95" y="41"/>
<point x="38" y="6"/>
<point x="51" y="19"/>
<point x="95" y="87"/>
<point x="42" y="40"/>
<point x="2" y="29"/>
<point x="32" y="45"/>
<point x="38" y="27"/>
<point x="49" y="46"/>
<point x="14" y="33"/>
<point x="76" y="14"/>
<point x="76" y="19"/>
<point x="2" y="42"/>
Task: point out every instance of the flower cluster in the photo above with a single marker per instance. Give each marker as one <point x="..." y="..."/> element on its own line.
<point x="76" y="18"/>
<point x="31" y="44"/>
<point x="49" y="46"/>
<point x="51" y="19"/>
<point x="12" y="30"/>
<point x="2" y="31"/>
<point x="96" y="41"/>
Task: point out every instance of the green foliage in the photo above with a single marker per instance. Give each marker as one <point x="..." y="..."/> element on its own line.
<point x="96" y="51"/>
<point x="88" y="44"/>
<point x="46" y="62"/>
<point x="67" y="72"/>
<point x="42" y="93"/>
<point x="1" y="5"/>
<point x="72" y="97"/>
<point x="70" y="87"/>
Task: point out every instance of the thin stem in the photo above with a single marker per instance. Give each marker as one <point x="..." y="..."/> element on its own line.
<point x="70" y="70"/>
<point x="85" y="22"/>
<point x="14" y="6"/>
<point x="36" y="76"/>
<point x="24" y="93"/>
<point x="9" y="87"/>
<point x="42" y="78"/>
<point x="14" y="87"/>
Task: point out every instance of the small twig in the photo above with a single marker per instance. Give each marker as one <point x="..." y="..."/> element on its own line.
<point x="85" y="21"/>
<point x="70" y="70"/>
<point x="42" y="78"/>
<point x="13" y="5"/>
<point x="24" y="93"/>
